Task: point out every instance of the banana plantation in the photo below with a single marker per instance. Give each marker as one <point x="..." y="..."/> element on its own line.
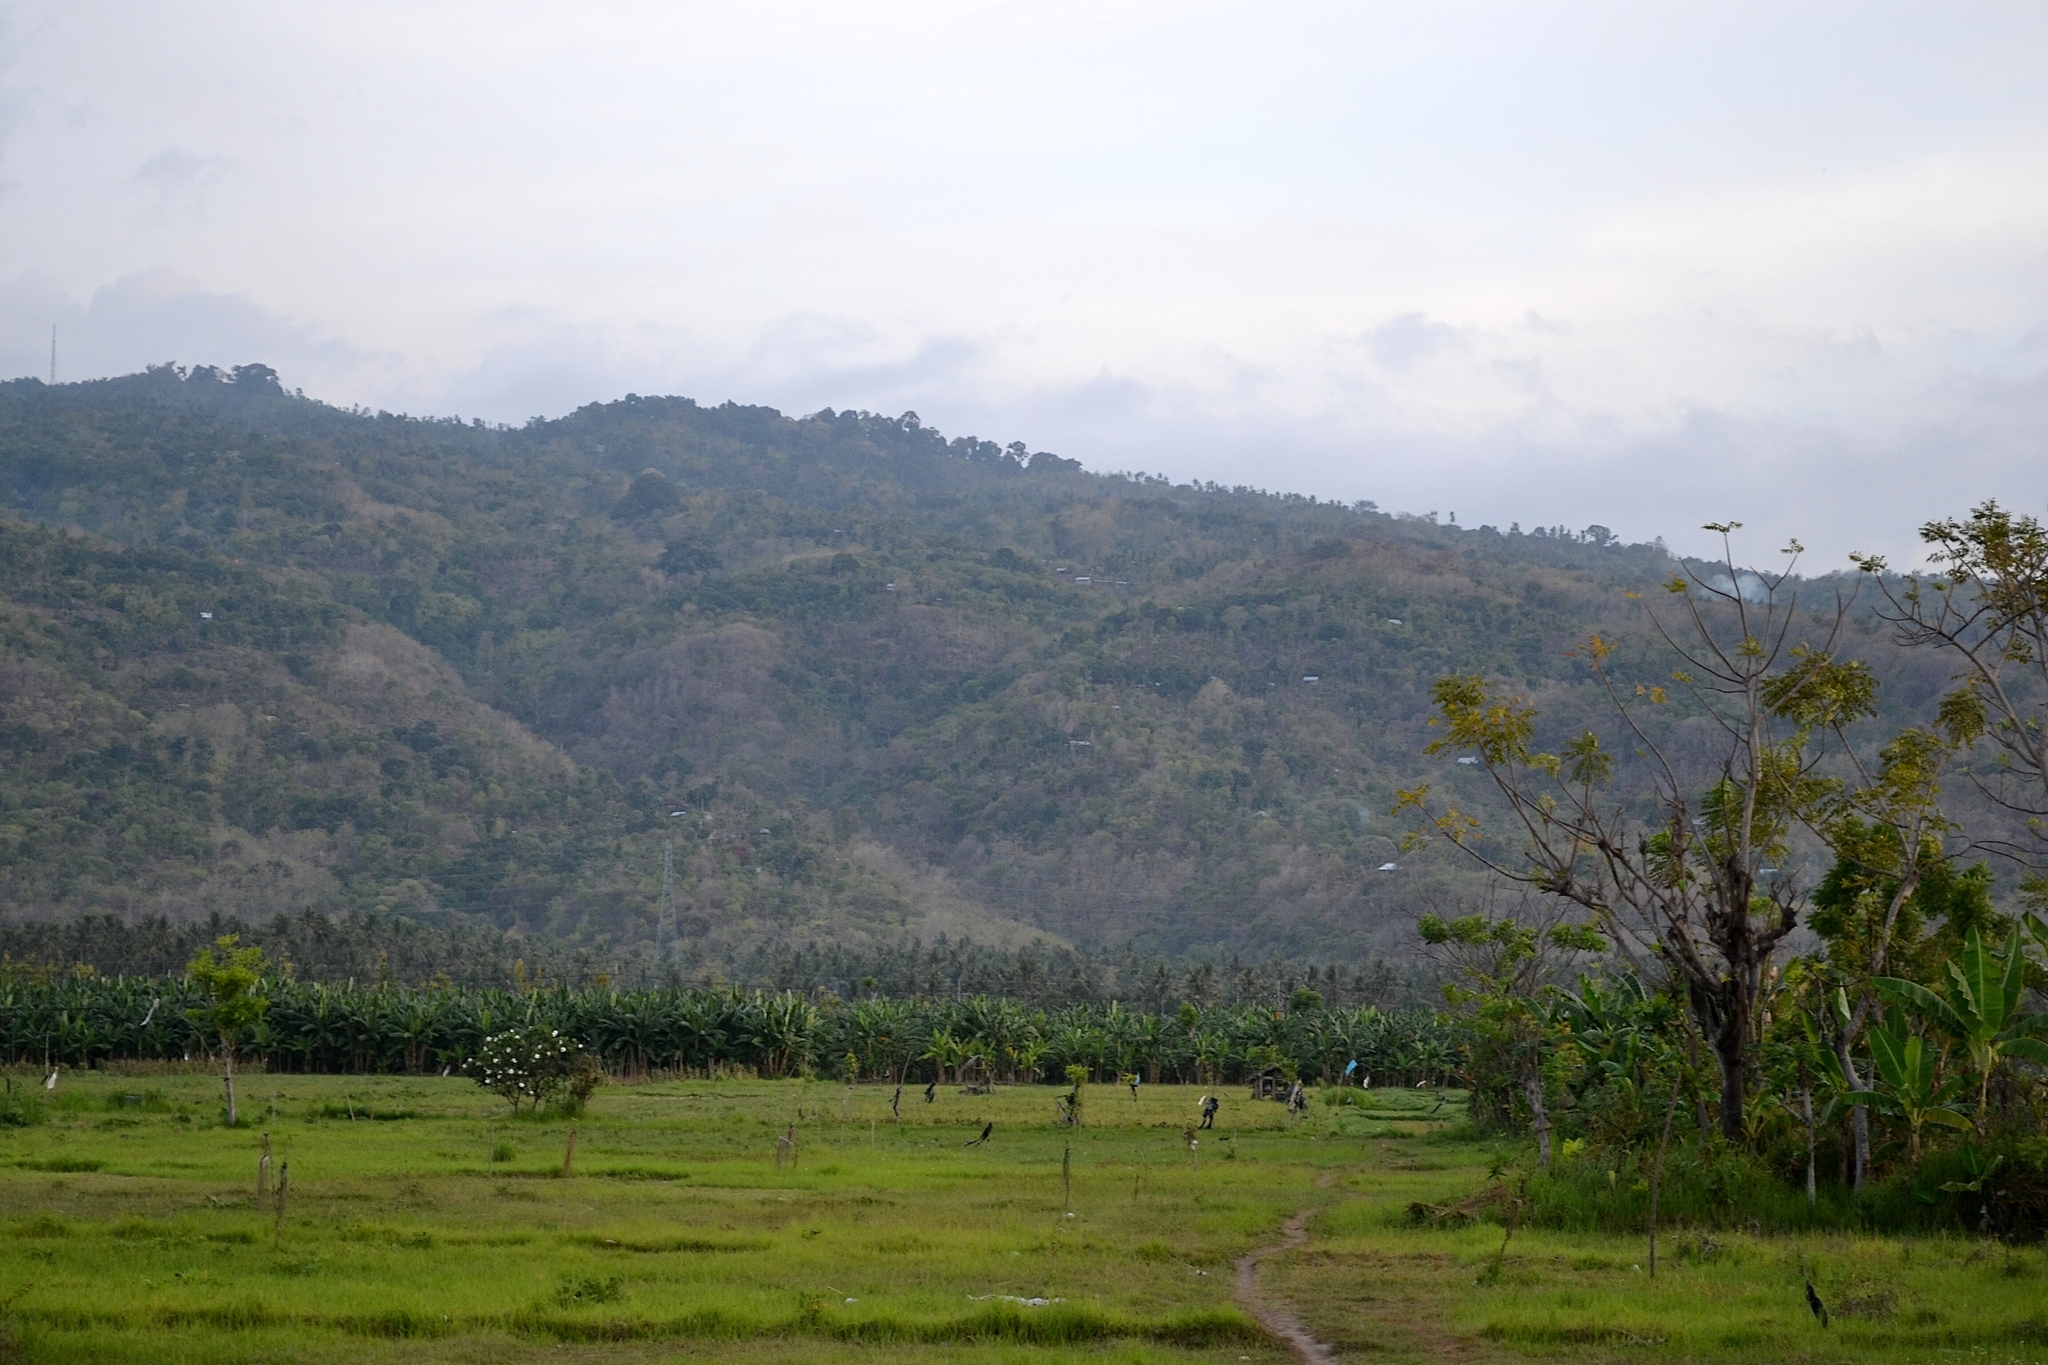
<point x="84" y="1021"/>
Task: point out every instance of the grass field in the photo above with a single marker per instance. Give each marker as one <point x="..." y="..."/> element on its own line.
<point x="424" y="1224"/>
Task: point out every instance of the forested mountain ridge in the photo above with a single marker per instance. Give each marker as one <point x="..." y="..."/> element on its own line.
<point x="263" y="655"/>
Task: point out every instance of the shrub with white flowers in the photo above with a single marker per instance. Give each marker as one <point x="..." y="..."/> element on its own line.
<point x="525" y="1065"/>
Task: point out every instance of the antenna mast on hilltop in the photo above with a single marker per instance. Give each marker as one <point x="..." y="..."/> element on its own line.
<point x="53" y="353"/>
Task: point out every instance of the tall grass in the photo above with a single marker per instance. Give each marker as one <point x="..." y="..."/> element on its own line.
<point x="2002" y="1191"/>
<point x="1709" y="1186"/>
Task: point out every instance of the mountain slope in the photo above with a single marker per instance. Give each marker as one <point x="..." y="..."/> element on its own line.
<point x="899" y="685"/>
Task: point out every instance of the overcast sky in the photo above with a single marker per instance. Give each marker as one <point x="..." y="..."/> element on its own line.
<point x="1641" y="265"/>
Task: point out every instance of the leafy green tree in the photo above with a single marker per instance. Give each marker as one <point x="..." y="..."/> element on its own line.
<point x="1892" y="904"/>
<point x="1801" y="1060"/>
<point x="1985" y="602"/>
<point x="1876" y="922"/>
<point x="1504" y="963"/>
<point x="229" y="979"/>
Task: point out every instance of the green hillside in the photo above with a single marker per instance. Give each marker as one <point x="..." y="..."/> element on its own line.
<point x="895" y="685"/>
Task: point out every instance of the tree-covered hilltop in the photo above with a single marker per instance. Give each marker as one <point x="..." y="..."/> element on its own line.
<point x="857" y="682"/>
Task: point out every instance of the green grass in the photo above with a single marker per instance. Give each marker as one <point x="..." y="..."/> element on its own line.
<point x="442" y="1230"/>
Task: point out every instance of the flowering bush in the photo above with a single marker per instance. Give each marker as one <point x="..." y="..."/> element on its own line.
<point x="525" y="1064"/>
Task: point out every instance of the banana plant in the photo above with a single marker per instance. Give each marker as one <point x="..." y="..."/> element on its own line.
<point x="1979" y="1008"/>
<point x="1907" y="1067"/>
<point x="944" y="1051"/>
<point x="1027" y="1055"/>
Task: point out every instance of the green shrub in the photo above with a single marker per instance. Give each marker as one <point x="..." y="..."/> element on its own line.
<point x="529" y="1065"/>
<point x="581" y="1289"/>
<point x="21" y="1106"/>
<point x="2001" y="1189"/>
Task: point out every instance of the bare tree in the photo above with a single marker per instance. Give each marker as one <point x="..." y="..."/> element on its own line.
<point x="1689" y="877"/>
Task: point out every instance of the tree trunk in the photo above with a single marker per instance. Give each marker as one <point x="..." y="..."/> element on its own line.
<point x="1806" y="1098"/>
<point x="1859" y="1119"/>
<point x="1729" y="1048"/>
<point x="1721" y="1011"/>
<point x="1539" y="1118"/>
<point x="227" y="1074"/>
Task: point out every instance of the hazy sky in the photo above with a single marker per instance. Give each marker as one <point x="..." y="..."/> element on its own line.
<point x="1642" y="265"/>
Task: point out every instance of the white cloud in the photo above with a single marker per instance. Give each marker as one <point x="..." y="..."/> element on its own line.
<point x="157" y="316"/>
<point x="1398" y="343"/>
<point x="176" y="177"/>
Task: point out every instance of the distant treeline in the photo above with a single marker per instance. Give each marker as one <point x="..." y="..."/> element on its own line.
<point x="1052" y="976"/>
<point x="83" y="1020"/>
<point x="371" y="949"/>
<point x="310" y="946"/>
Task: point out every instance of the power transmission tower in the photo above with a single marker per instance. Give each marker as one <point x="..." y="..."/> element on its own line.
<point x="665" y="922"/>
